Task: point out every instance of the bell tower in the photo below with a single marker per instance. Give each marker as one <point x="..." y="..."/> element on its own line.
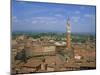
<point x="68" y="37"/>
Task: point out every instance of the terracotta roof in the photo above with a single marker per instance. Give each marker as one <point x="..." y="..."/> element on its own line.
<point x="32" y="63"/>
<point x="71" y="65"/>
<point x="53" y="59"/>
<point x="88" y="65"/>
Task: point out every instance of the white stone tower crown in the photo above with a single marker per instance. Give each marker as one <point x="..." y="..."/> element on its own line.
<point x="68" y="26"/>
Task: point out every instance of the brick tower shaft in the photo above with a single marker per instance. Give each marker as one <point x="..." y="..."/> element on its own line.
<point x="68" y="41"/>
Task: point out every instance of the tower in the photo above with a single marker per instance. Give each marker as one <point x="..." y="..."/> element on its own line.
<point x="68" y="42"/>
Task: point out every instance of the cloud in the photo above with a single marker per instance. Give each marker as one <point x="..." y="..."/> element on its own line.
<point x="59" y="15"/>
<point x="14" y="19"/>
<point x="77" y="12"/>
<point x="50" y="22"/>
<point x="89" y="16"/>
<point x="76" y="18"/>
<point x="34" y="22"/>
<point x="82" y="7"/>
<point x="45" y="20"/>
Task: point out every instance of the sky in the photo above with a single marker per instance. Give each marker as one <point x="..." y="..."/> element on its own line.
<point x="52" y="17"/>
